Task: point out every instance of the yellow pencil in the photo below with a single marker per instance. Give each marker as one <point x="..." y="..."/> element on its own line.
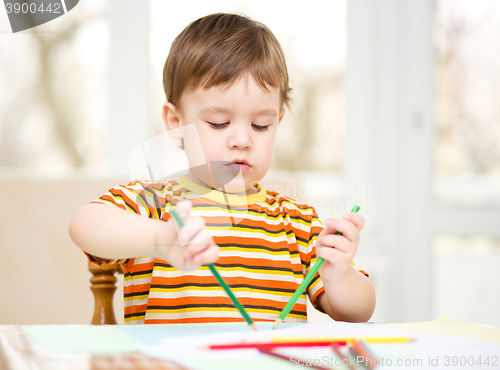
<point x="346" y="339"/>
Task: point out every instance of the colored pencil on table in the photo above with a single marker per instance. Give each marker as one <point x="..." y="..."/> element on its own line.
<point x="345" y="339"/>
<point x="304" y="285"/>
<point x="340" y="355"/>
<point x="363" y="344"/>
<point x="361" y="349"/>
<point x="309" y="342"/>
<point x="222" y="283"/>
<point x="271" y="345"/>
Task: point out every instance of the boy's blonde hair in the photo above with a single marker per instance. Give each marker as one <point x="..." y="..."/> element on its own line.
<point x="219" y="48"/>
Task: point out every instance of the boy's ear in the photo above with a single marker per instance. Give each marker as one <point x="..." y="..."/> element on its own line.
<point x="282" y="113"/>
<point x="171" y="120"/>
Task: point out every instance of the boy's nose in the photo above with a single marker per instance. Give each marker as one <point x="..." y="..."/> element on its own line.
<point x="240" y="138"/>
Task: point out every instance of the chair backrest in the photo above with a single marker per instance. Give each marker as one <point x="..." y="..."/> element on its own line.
<point x="103" y="285"/>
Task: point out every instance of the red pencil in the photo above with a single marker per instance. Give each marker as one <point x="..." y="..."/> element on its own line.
<point x="271" y="345"/>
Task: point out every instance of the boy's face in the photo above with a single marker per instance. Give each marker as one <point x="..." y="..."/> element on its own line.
<point x="236" y="124"/>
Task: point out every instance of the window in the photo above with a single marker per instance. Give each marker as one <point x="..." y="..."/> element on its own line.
<point x="52" y="89"/>
<point x="465" y="249"/>
<point x="467" y="114"/>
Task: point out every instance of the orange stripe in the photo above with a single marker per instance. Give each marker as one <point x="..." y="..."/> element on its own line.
<point x="197" y="320"/>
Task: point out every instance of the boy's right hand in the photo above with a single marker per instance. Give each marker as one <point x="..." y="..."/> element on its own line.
<point x="192" y="247"/>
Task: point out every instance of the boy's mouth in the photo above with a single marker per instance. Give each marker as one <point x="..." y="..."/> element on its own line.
<point x="239" y="164"/>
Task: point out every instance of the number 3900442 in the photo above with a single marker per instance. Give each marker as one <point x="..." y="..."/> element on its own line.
<point x="33" y="8"/>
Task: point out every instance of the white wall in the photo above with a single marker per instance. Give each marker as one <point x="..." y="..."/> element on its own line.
<point x="43" y="275"/>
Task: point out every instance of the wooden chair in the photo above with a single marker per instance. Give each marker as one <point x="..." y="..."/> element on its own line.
<point x="103" y="285"/>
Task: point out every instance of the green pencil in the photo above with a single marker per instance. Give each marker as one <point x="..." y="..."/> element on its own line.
<point x="222" y="283"/>
<point x="303" y="286"/>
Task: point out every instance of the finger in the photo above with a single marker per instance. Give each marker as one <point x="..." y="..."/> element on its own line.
<point x="202" y="237"/>
<point x="334" y="241"/>
<point x="193" y="226"/>
<point x="209" y="255"/>
<point x="330" y="254"/>
<point x="323" y="233"/>
<point x="201" y="254"/>
<point x="346" y="228"/>
<point x="188" y="265"/>
<point x="199" y="242"/>
<point x="199" y="245"/>
<point x="183" y="208"/>
<point x="356" y="219"/>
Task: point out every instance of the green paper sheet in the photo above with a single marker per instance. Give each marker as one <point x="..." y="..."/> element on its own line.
<point x="100" y="339"/>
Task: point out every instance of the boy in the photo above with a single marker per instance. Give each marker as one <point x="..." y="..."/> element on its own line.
<point x="225" y="76"/>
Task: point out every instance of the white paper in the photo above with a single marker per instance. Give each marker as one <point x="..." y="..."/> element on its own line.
<point x="428" y="351"/>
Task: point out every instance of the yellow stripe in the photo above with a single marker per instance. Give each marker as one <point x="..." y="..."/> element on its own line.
<point x="256" y="271"/>
<point x="222" y="268"/>
<point x="135" y="277"/>
<point x="183" y="190"/>
<point x="108" y="201"/>
<point x="262" y="215"/>
<point x="291" y="201"/>
<point x="135" y="318"/>
<point x="311" y="288"/>
<point x="219" y="289"/>
<point x="300" y="221"/>
<point x="256" y="250"/>
<point x="133" y="298"/>
<point x="300" y="242"/>
<point x="212" y="309"/>
<point x="143" y="204"/>
<point x="231" y="212"/>
<point x="246" y="230"/>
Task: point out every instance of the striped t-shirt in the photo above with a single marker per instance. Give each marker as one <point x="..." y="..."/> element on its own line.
<point x="267" y="246"/>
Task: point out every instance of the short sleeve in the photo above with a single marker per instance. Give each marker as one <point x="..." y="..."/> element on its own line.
<point x="360" y="269"/>
<point x="315" y="287"/>
<point x="103" y="261"/>
<point x="141" y="197"/>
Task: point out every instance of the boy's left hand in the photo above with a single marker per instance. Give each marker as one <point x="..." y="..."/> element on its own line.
<point x="338" y="250"/>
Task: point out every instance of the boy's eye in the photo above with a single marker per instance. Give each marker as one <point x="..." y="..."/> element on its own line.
<point x="259" y="128"/>
<point x="218" y="125"/>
